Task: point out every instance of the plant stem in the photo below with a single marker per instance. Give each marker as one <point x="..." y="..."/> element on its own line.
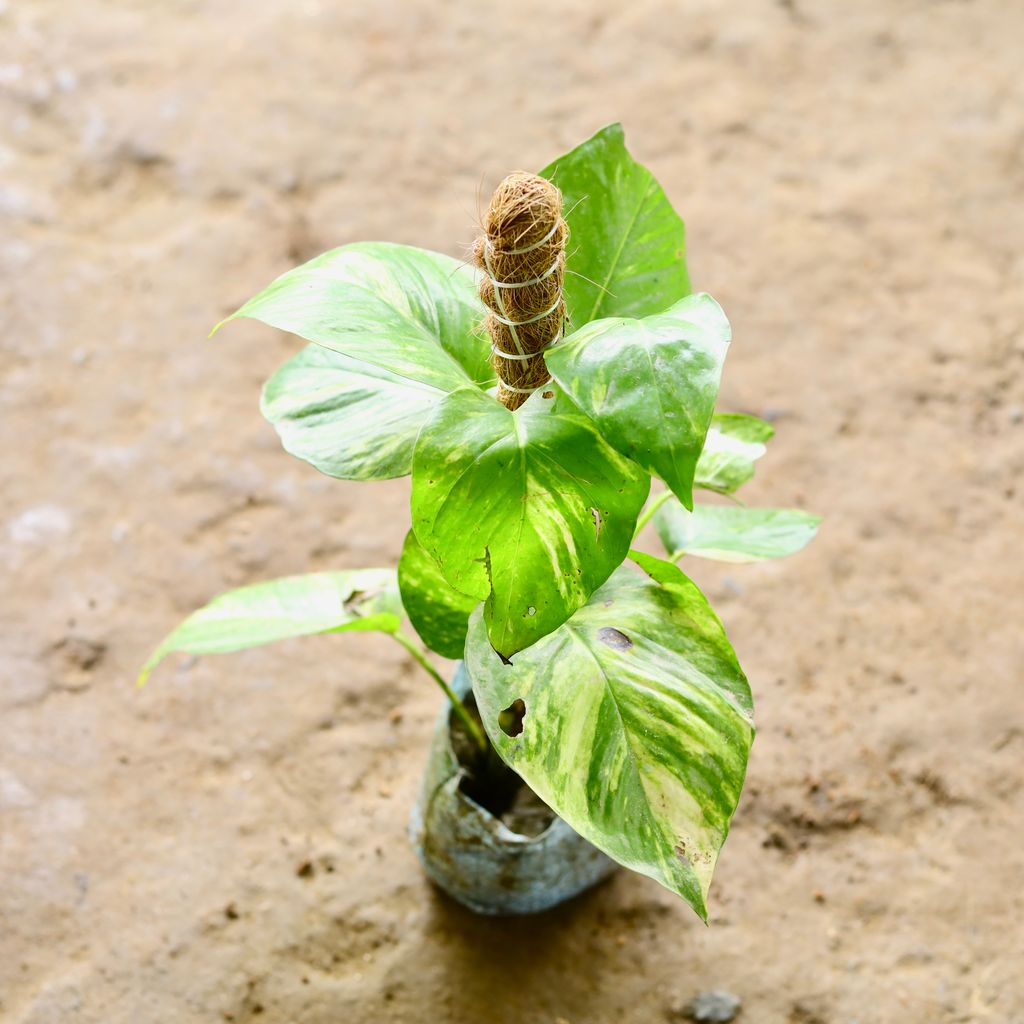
<point x="460" y="709"/>
<point x="648" y="513"/>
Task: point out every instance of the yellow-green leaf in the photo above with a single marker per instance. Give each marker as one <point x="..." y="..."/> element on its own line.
<point x="635" y="724"/>
<point x="732" y="533"/>
<point x="438" y="612"/>
<point x="734" y="443"/>
<point x="628" y="251"/>
<point x="319" y="602"/>
<point x="529" y="511"/>
<point x="650" y="385"/>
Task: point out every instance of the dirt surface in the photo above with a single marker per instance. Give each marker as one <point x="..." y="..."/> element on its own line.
<point x="229" y="844"/>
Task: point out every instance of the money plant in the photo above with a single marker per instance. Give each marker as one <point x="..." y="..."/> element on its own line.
<point x="533" y="392"/>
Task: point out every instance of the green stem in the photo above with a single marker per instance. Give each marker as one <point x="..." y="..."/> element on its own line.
<point x="648" y="513"/>
<point x="460" y="709"/>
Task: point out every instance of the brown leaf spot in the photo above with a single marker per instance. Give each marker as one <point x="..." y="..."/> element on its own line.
<point x="614" y="638"/>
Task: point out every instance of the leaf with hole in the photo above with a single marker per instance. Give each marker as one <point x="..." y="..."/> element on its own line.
<point x="627" y="251"/>
<point x="634" y="723"/>
<point x="650" y="385"/>
<point x="529" y="511"/>
<point x="732" y="533"/>
<point x="320" y="602"/>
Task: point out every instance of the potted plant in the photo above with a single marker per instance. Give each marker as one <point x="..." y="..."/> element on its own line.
<point x="598" y="715"/>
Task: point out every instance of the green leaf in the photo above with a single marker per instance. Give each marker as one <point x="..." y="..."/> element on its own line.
<point x="650" y="384"/>
<point x="347" y="418"/>
<point x="628" y="246"/>
<point x="529" y="511"/>
<point x="637" y="724"/>
<point x="734" y="443"/>
<point x="406" y="310"/>
<point x="731" y="533"/>
<point x="438" y="612"/>
<point x="320" y="602"/>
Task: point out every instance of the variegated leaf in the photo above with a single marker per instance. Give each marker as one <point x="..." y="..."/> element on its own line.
<point x="438" y="612"/>
<point x="403" y="324"/>
<point x="319" y="602"/>
<point x="348" y="418"/>
<point x="407" y="310"/>
<point x="734" y="443"/>
<point x="530" y="511"/>
<point x="628" y="252"/>
<point x="650" y="385"/>
<point x="732" y="533"/>
<point x="633" y="721"/>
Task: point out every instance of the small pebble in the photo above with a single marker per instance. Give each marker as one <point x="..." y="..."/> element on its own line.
<point x="716" y="1007"/>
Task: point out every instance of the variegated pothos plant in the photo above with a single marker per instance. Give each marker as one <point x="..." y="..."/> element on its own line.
<point x="634" y="719"/>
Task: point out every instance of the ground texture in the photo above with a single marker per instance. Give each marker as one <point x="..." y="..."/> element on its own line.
<point x="229" y="844"/>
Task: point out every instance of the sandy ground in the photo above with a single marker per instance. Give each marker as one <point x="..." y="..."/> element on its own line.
<point x="852" y="176"/>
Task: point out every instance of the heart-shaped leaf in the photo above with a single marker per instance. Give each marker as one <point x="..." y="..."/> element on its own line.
<point x="530" y="511"/>
<point x="635" y="723"/>
<point x="438" y="612"/>
<point x="732" y="533"/>
<point x="628" y="250"/>
<point x="348" y="418"/>
<point x="320" y="602"/>
<point x="650" y="384"/>
<point x="734" y="443"/>
<point x="406" y="310"/>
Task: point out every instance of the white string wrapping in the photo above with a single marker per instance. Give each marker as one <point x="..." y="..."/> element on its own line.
<point x="533" y="319"/>
<point x="533" y="280"/>
<point x="525" y="391"/>
<point x="529" y="355"/>
<point x="521" y="355"/>
<point x="501" y="302"/>
<point x="528" y="248"/>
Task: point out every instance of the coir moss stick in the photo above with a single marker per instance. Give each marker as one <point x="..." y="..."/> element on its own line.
<point x="522" y="255"/>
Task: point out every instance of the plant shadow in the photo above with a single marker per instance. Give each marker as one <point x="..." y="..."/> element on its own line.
<point x="494" y="968"/>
